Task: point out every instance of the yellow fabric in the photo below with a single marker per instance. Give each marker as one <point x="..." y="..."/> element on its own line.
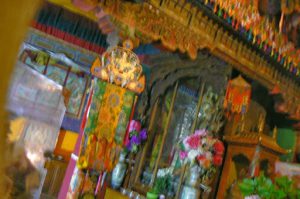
<point x="67" y="4"/>
<point x="15" y="16"/>
<point x="112" y="194"/>
<point x="106" y="127"/>
<point x="109" y="113"/>
<point x="233" y="175"/>
<point x="16" y="129"/>
<point x="69" y="141"/>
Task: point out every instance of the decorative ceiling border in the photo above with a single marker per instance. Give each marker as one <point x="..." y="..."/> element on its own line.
<point x="188" y="29"/>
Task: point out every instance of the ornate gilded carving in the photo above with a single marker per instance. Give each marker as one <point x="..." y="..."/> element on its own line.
<point x="169" y="69"/>
<point x="140" y="20"/>
<point x="180" y="25"/>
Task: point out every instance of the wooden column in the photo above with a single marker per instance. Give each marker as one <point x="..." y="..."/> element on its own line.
<point x="150" y="134"/>
<point x="164" y="135"/>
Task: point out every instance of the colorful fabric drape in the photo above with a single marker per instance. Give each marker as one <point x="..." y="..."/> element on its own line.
<point x="245" y="16"/>
<point x="73" y="28"/>
<point x="114" y="113"/>
<point x="289" y="6"/>
<point x="106" y="126"/>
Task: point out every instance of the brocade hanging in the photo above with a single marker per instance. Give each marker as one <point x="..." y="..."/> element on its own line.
<point x="106" y="127"/>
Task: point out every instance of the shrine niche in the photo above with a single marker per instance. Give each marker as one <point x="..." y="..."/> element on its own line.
<point x="244" y="149"/>
<point x="169" y="68"/>
<point x="249" y="122"/>
<point x="168" y="107"/>
<point x="239" y="168"/>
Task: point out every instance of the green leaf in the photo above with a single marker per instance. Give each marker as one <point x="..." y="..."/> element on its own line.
<point x="279" y="194"/>
<point x="284" y="183"/>
<point x="247" y="187"/>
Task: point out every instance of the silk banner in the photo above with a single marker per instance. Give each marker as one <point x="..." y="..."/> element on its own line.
<point x="106" y="127"/>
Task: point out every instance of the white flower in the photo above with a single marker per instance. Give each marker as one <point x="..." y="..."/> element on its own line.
<point x="208" y="155"/>
<point x="192" y="154"/>
<point x="200" y="150"/>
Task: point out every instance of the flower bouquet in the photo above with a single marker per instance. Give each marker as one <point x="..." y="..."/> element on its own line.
<point x="136" y="137"/>
<point x="202" y="149"/>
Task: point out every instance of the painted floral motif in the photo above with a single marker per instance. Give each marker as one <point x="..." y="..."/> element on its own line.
<point x="114" y="100"/>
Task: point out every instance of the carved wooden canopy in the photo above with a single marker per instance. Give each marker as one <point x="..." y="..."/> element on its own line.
<point x="181" y="26"/>
<point x="188" y="29"/>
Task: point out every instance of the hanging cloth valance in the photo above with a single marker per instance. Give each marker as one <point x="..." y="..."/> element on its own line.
<point x="70" y="27"/>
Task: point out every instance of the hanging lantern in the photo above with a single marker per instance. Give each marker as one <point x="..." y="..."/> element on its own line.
<point x="237" y="96"/>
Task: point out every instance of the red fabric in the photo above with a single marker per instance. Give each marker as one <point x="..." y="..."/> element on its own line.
<point x="68" y="37"/>
<point x="85" y="116"/>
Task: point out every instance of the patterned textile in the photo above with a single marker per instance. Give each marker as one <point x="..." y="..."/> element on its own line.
<point x="99" y="91"/>
<point x="119" y="104"/>
<point x="106" y="126"/>
<point x="237" y="96"/>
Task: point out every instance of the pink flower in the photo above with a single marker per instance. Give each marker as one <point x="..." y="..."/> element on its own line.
<point x="183" y="154"/>
<point x="193" y="141"/>
<point x="134" y="126"/>
<point x="201" y="132"/>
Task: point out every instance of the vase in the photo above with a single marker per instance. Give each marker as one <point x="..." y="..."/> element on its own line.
<point x="162" y="196"/>
<point x="118" y="172"/>
<point x="189" y="190"/>
<point x="151" y="195"/>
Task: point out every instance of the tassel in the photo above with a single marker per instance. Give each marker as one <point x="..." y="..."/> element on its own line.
<point x="281" y="22"/>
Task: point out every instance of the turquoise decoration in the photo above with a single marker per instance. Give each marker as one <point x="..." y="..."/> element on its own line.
<point x="118" y="173"/>
<point x="249" y="36"/>
<point x="228" y="20"/>
<point x="282" y="60"/>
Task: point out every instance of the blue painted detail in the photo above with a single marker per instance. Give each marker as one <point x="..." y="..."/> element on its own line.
<point x="146" y="49"/>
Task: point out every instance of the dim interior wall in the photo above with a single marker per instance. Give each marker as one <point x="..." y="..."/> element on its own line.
<point x="15" y="16"/>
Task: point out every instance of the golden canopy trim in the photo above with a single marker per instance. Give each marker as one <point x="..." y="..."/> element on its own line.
<point x="189" y="30"/>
